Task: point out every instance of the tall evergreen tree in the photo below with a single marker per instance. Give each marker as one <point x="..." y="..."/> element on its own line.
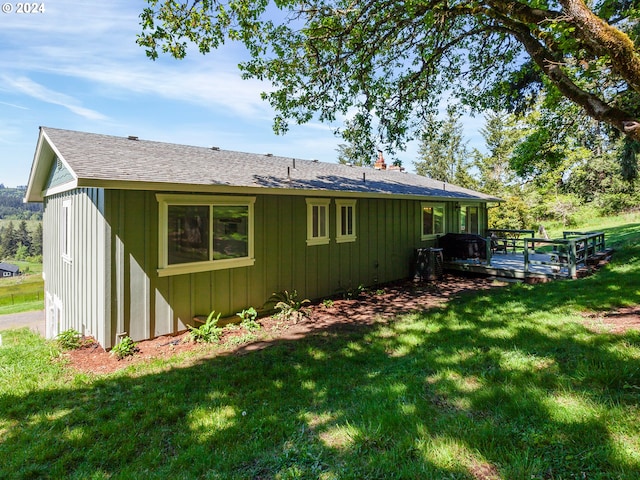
<point x="443" y="151"/>
<point x="501" y="135"/>
<point x="36" y="241"/>
<point x="23" y="236"/>
<point x="9" y="241"/>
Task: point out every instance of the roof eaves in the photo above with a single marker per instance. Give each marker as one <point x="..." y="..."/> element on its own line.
<point x="301" y="190"/>
<point x="44" y="156"/>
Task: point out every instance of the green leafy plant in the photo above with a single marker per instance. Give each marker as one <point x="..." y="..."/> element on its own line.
<point x="288" y="305"/>
<point x="248" y="318"/>
<point x="237" y="340"/>
<point x="351" y="293"/>
<point x="125" y="348"/>
<point x="327" y="303"/>
<point x="69" y="339"/>
<point x="207" y="332"/>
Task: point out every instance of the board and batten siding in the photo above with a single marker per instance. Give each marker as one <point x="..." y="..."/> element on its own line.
<point x="76" y="289"/>
<point x="145" y="305"/>
<point x="109" y="286"/>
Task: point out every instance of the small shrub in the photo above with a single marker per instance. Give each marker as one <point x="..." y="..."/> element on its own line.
<point x="69" y="339"/>
<point x="248" y="318"/>
<point x="125" y="348"/>
<point x="288" y="305"/>
<point x="327" y="303"/>
<point x="351" y="293"/>
<point x="207" y="332"/>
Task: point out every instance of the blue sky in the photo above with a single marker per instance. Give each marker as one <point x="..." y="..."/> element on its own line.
<point x="77" y="66"/>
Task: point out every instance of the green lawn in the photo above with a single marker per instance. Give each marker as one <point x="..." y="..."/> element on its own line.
<point x="506" y="384"/>
<point x="23" y="293"/>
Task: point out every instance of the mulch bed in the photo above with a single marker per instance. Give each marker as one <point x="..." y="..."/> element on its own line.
<point x="368" y="309"/>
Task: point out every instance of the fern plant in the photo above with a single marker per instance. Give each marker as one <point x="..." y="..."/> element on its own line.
<point x="207" y="332"/>
<point x="288" y="305"/>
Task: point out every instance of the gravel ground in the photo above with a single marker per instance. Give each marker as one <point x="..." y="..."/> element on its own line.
<point x="33" y="320"/>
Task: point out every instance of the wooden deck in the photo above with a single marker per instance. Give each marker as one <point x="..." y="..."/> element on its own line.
<point x="511" y="265"/>
<point x="510" y="255"/>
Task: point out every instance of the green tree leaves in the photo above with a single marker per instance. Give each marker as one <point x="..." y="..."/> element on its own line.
<point x="387" y="63"/>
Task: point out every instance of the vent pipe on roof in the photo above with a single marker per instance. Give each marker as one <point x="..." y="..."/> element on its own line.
<point x="294" y="163"/>
<point x="132" y="137"/>
<point x="289" y="174"/>
<point x="364" y="177"/>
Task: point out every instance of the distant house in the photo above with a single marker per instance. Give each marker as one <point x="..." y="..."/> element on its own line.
<point x="141" y="236"/>
<point x="9" y="270"/>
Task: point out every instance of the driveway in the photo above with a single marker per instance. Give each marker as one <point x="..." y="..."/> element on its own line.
<point x="33" y="320"/>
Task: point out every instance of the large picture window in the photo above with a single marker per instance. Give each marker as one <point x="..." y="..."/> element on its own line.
<point x="199" y="233"/>
<point x="433" y="220"/>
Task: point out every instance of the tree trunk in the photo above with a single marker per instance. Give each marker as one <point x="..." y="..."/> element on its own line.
<point x="605" y="40"/>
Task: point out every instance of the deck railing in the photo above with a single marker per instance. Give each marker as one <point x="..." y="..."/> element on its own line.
<point x="507" y="240"/>
<point x="562" y="255"/>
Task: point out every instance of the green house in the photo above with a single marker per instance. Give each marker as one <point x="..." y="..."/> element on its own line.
<point x="141" y="236"/>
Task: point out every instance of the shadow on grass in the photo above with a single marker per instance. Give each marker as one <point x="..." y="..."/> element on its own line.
<point x="503" y="384"/>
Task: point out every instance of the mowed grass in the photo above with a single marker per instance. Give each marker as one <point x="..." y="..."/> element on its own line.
<point x="506" y="384"/>
<point x="23" y="293"/>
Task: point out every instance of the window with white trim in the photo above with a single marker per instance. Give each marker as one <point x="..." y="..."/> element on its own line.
<point x="204" y="232"/>
<point x="345" y="221"/>
<point x="318" y="221"/>
<point x="65" y="230"/>
<point x="433" y="220"/>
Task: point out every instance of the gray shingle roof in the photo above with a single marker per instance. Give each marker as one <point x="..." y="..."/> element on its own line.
<point x="8" y="267"/>
<point x="108" y="161"/>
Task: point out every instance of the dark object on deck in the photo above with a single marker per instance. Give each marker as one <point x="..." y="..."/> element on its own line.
<point x="463" y="246"/>
<point x="429" y="264"/>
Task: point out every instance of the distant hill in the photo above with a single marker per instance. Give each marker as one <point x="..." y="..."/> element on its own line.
<point x="12" y="206"/>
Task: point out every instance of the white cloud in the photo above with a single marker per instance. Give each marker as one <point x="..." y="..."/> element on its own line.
<point x="13" y="105"/>
<point x="42" y="93"/>
<point x="95" y="43"/>
<point x="196" y="86"/>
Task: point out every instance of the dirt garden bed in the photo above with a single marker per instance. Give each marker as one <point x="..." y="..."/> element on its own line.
<point x="370" y="307"/>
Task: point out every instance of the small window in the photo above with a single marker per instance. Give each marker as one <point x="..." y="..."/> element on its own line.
<point x="198" y="233"/>
<point x="65" y="230"/>
<point x="432" y="220"/>
<point x="345" y="221"/>
<point x="317" y="221"/>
